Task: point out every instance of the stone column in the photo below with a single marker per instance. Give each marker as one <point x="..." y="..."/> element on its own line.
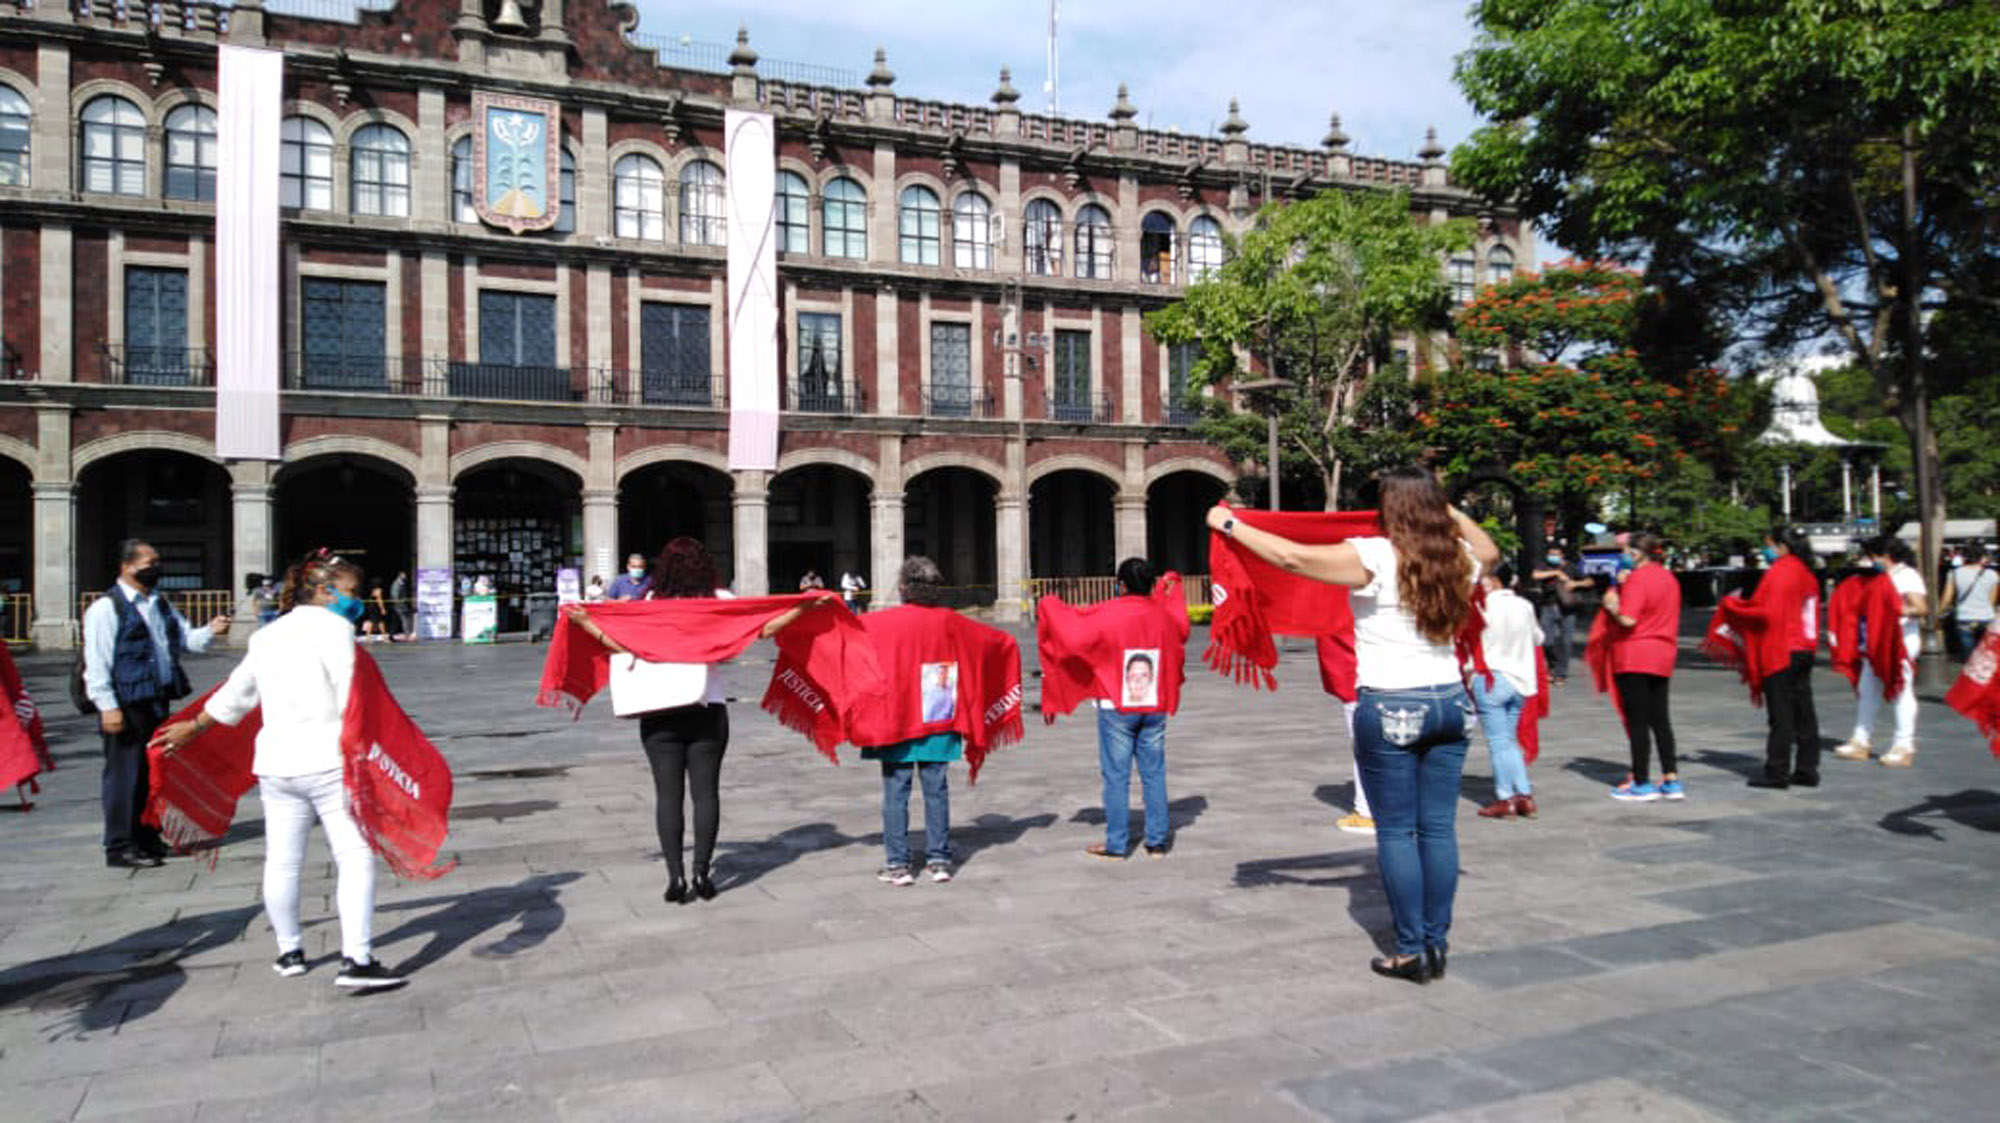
<point x="54" y="490"/>
<point x="888" y="369"/>
<point x="434" y="494"/>
<point x="751" y="505"/>
<point x="50" y="165"/>
<point x="600" y="501"/>
<point x="252" y="510"/>
<point x="882" y="229"/>
<point x="1010" y="548"/>
<point x="1131" y="367"/>
<point x="593" y="181"/>
<point x="1128" y="529"/>
<point x="58" y="290"/>
<point x="432" y="189"/>
<point x="885" y="522"/>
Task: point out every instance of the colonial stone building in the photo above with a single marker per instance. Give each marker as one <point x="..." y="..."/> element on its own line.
<point x="965" y="369"/>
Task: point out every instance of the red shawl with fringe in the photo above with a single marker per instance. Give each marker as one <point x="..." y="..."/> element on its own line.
<point x="24" y="746"/>
<point x="1868" y="602"/>
<point x="1754" y="636"/>
<point x="980" y="699"/>
<point x="1528" y="730"/>
<point x="1976" y="694"/>
<point x="1083" y="649"/>
<point x="398" y="785"/>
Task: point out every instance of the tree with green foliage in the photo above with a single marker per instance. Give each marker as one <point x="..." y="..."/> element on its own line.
<point x="1819" y="169"/>
<point x="1316" y="293"/>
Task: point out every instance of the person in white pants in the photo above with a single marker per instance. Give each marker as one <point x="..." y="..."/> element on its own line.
<point x="300" y="669"/>
<point x="1362" y="819"/>
<point x="1896" y="559"/>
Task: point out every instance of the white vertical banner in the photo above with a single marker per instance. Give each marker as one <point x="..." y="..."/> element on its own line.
<point x="251" y="95"/>
<point x="751" y="153"/>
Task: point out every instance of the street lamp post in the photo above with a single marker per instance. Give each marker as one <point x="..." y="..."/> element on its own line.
<point x="1267" y="390"/>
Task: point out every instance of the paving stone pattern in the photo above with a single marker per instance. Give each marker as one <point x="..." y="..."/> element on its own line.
<point x="1806" y="955"/>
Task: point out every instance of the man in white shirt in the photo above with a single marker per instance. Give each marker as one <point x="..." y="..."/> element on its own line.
<point x="1509" y="641"/>
<point x="851" y="584"/>
<point x="133" y="639"/>
<point x="1895" y="558"/>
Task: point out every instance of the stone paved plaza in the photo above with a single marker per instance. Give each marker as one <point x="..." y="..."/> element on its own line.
<point x="1829" y="954"/>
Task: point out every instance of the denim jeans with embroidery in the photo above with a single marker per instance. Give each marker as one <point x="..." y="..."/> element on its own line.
<point x="1411" y="745"/>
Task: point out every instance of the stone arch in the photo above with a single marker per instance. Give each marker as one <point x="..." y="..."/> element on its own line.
<point x="20" y="452"/>
<point x="361" y="119"/>
<point x="316" y="111"/>
<point x="21" y="86"/>
<point x="692" y="153"/>
<point x="641" y="147"/>
<point x="87" y="92"/>
<point x="937" y="187"/>
<point x="1201" y="464"/>
<point x="932" y="461"/>
<point x="297" y="452"/>
<point x="1070" y="461"/>
<point x="178" y="96"/>
<point x="666" y="454"/>
<point x="474" y="457"/>
<point x="1049" y="194"/>
<point x="801" y="169"/>
<point x="142" y="440"/>
<point x="843" y="171"/>
<point x="837" y="457"/>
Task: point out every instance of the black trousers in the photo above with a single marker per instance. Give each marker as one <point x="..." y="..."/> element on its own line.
<point x="126" y="778"/>
<point x="685" y="746"/>
<point x="1788" y="702"/>
<point x="1643" y="697"/>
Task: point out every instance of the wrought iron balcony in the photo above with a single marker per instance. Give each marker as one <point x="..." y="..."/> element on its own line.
<point x="664" y="388"/>
<point x="1084" y="409"/>
<point x="500" y="381"/>
<point x="1182" y="416"/>
<point x="824" y="397"/>
<point x="128" y="365"/>
<point x="958" y="401"/>
<point x="356" y="374"/>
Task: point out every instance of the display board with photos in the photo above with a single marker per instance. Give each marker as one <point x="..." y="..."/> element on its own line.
<point x="520" y="554"/>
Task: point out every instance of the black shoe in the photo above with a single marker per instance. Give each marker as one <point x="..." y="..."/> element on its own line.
<point x="703" y="887"/>
<point x="1435" y="956"/>
<point x="1415" y="968"/>
<point x="367" y="976"/>
<point x="1805" y="779"/>
<point x="129" y="859"/>
<point x="677" y="892"/>
<point x="1775" y="783"/>
<point x="156" y="850"/>
<point x="291" y="965"/>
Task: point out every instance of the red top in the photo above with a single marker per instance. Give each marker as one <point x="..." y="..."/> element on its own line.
<point x="1652" y="599"/>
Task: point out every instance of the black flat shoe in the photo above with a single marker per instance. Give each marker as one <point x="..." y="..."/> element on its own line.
<point x="1435" y="957"/>
<point x="1415" y="968"/>
<point x="1771" y="783"/>
<point x="130" y="860"/>
<point x="703" y="887"/>
<point x="677" y="892"/>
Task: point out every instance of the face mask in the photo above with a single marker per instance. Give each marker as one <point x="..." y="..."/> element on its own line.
<point x="1555" y="559"/>
<point x="348" y="606"/>
<point x="1956" y="562"/>
<point x="1770" y="555"/>
<point x="635" y="572"/>
<point x="147" y="577"/>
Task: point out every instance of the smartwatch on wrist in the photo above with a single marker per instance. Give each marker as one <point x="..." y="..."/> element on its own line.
<point x="1229" y="527"/>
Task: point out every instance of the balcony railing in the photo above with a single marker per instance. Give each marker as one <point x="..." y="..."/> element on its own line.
<point x="1087" y="409"/>
<point x="958" y="401"/>
<point x="662" y="388"/>
<point x="828" y="397"/>
<point x="504" y="381"/>
<point x="1182" y="416"/>
<point x="129" y="365"/>
<point x="359" y="374"/>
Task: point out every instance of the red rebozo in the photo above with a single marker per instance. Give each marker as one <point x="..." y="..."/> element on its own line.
<point x="1129" y="650"/>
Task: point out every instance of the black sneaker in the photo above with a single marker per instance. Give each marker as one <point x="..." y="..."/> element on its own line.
<point x="129" y="859"/>
<point x="291" y="965"/>
<point x="367" y="976"/>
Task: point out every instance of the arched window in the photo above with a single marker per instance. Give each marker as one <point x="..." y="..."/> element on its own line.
<point x="794" y="213"/>
<point x="844" y="220"/>
<point x="702" y="198"/>
<point x="462" y="209"/>
<point x="1499" y="265"/>
<point x="1042" y="238"/>
<point x="971" y="231"/>
<point x="1093" y="243"/>
<point x="1157" y="252"/>
<point x="305" y="164"/>
<point x="114" y="147"/>
<point x="1204" y="247"/>
<point x="15" y="119"/>
<point x="191" y="153"/>
<point x="639" y="198"/>
<point x="917" y="226"/>
<point x="566" y="195"/>
<point x="379" y="172"/>
<point x="1460" y="274"/>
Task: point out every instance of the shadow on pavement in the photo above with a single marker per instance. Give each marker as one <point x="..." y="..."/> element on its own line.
<point x="124" y="980"/>
<point x="1597" y="768"/>
<point x="1977" y="809"/>
<point x="1340" y="797"/>
<point x="530" y="905"/>
<point x="501" y="812"/>
<point x="740" y="863"/>
<point x="1352" y="868"/>
<point x="1181" y="814"/>
<point x="987" y="831"/>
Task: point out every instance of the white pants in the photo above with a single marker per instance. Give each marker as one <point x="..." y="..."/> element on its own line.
<point x="1360" y="793"/>
<point x="291" y="803"/>
<point x="1870" y="704"/>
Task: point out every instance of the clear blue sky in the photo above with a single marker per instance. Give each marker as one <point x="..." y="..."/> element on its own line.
<point x="1384" y="66"/>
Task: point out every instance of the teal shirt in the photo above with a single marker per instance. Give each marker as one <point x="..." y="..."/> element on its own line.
<point x="937" y="747"/>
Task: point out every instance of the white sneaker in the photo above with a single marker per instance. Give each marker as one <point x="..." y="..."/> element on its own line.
<point x="1900" y="756"/>
<point x="1854" y="750"/>
<point x="939" y="871"/>
<point x="895" y="875"/>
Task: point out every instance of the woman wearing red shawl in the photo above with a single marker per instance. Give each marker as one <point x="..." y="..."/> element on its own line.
<point x="1886" y="672"/>
<point x="683" y="719"/>
<point x="1769" y="638"/>
<point x="1640" y="637"/>
<point x="1412" y="596"/>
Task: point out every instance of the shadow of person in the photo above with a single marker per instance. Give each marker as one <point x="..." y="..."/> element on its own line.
<point x="1352" y="868"/>
<point x="1340" y="797"/>
<point x="121" y="981"/>
<point x="1181" y="814"/>
<point x="1597" y="768"/>
<point x="531" y="905"/>
<point x="1979" y="810"/>
<point x="741" y="863"/>
<point x="1743" y="764"/>
<point x="968" y="839"/>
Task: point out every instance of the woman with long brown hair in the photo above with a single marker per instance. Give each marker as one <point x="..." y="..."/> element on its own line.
<point x="1412" y="593"/>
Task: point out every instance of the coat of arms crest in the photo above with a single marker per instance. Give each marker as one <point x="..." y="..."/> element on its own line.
<point x="515" y="161"/>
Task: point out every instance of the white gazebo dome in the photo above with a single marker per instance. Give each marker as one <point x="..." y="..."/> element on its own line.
<point x="1795" y="412"/>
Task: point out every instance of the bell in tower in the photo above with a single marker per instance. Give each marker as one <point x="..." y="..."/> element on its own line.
<point x="510" y="19"/>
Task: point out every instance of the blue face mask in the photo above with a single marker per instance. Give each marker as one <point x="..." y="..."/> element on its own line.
<point x="1770" y="555"/>
<point x="348" y="606"/>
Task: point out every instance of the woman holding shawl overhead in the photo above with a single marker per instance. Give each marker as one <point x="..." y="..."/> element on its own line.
<point x="1769" y="637"/>
<point x="1632" y="648"/>
<point x="1125" y="656"/>
<point x="1413" y="598"/>
<point x="683" y="718"/>
<point x="300" y="671"/>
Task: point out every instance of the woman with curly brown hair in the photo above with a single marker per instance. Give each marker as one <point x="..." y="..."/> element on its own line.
<point x="1412" y="595"/>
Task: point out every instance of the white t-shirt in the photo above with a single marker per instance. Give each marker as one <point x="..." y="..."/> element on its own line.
<point x="1511" y="639"/>
<point x="1973" y="600"/>
<point x="1390" y="652"/>
<point x="1909" y="583"/>
<point x="300" y="668"/>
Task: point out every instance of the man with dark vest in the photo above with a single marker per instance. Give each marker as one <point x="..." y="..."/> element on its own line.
<point x="132" y="645"/>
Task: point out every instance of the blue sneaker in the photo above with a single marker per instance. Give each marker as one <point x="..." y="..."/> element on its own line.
<point x="1630" y="792"/>
<point x="1671" y="789"/>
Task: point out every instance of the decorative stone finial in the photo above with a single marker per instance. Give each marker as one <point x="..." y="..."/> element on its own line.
<point x="1234" y="125"/>
<point x="1124" y="110"/>
<point x="881" y="77"/>
<point x="1005" y="94"/>
<point x="742" y="60"/>
<point x="1432" y="151"/>
<point x="1336" y="138"/>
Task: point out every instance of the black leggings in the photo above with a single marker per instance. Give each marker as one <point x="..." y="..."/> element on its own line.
<point x="1788" y="705"/>
<point x="686" y="744"/>
<point x="1643" y="697"/>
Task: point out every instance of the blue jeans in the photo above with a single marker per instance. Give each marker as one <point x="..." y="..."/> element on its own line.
<point x="1121" y="740"/>
<point x="1411" y="744"/>
<point x="896" y="810"/>
<point x="1500" y="716"/>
